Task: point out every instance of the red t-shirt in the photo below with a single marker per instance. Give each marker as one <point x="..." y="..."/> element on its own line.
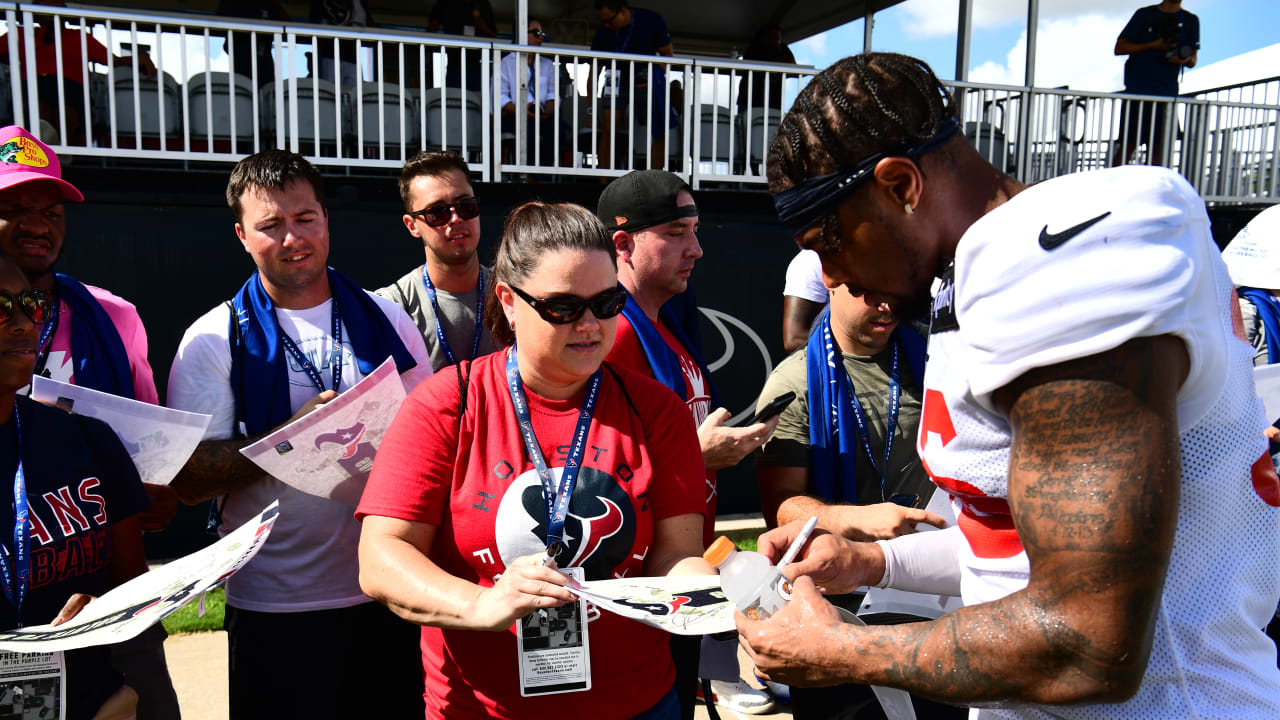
<point x="628" y="353"/>
<point x="475" y="485"/>
<point x="47" y="55"/>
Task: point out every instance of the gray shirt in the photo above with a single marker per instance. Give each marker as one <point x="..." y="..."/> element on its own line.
<point x="458" y="313"/>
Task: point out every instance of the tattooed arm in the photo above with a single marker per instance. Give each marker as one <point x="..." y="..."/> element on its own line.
<point x="1093" y="489"/>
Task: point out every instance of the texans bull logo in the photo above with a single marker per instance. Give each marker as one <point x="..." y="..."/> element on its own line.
<point x="692" y="599"/>
<point x="598" y="534"/>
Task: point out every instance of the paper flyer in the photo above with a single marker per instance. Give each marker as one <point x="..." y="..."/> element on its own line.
<point x="159" y="439"/>
<point x="127" y="610"/>
<point x="329" y="452"/>
<point x="679" y="604"/>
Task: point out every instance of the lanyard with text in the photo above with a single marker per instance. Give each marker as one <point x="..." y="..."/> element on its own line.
<point x="335" y="355"/>
<point x="15" y="566"/>
<point x="860" y="417"/>
<point x="435" y="306"/>
<point x="46" y="336"/>
<point x="557" y="498"/>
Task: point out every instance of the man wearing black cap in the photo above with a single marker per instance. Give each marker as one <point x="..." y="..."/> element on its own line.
<point x="654" y="223"/>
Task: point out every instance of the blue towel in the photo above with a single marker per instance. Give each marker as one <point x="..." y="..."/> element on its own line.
<point x="259" y="370"/>
<point x="99" y="358"/>
<point x="1269" y="313"/>
<point x="664" y="361"/>
<point x="833" y="434"/>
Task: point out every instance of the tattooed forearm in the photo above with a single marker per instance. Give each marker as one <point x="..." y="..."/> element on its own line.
<point x="216" y="468"/>
<point x="1093" y="491"/>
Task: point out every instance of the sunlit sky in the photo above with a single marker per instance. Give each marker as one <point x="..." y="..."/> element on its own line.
<point x="1075" y="42"/>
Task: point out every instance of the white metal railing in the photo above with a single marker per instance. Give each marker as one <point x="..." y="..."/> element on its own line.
<point x="370" y="99"/>
<point x="1226" y="149"/>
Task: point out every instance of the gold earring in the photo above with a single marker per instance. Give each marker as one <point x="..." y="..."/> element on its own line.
<point x="906" y="207"/>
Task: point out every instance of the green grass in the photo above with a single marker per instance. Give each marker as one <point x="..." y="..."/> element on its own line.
<point x="744" y="539"/>
<point x="186" y="619"/>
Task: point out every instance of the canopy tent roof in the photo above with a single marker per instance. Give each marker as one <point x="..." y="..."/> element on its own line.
<point x="697" y="27"/>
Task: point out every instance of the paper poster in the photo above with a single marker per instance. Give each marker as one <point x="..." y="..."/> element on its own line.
<point x="680" y="604"/>
<point x="329" y="452"/>
<point x="160" y="440"/>
<point x="32" y="685"/>
<point x="889" y="600"/>
<point x="123" y="613"/>
<point x="1267" y="381"/>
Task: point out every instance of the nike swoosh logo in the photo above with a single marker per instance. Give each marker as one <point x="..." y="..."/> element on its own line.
<point x="1049" y="241"/>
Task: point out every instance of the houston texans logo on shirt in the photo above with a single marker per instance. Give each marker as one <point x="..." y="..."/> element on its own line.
<point x="598" y="534"/>
<point x="69" y="532"/>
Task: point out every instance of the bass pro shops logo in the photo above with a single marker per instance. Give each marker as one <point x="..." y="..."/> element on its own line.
<point x="23" y="151"/>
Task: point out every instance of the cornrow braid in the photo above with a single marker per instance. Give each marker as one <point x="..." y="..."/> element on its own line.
<point x="861" y="105"/>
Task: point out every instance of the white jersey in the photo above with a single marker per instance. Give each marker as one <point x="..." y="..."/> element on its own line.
<point x="1131" y="256"/>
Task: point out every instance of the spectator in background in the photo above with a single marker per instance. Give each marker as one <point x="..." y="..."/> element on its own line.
<point x="844" y="450"/>
<point x="636" y="31"/>
<point x="243" y="43"/>
<point x="1160" y="41"/>
<point x="345" y="14"/>
<point x="766" y="46"/>
<point x="91" y="338"/>
<point x="73" y="68"/>
<point x="473" y="18"/>
<point x="446" y="295"/>
<point x="804" y="297"/>
<point x="540" y="97"/>
<point x="299" y="630"/>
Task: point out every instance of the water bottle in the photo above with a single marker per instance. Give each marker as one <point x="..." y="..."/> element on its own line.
<point x="754" y="585"/>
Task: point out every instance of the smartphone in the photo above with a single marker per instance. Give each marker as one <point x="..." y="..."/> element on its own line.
<point x="775" y="406"/>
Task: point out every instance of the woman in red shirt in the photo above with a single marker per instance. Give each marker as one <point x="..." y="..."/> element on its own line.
<point x="462" y="509"/>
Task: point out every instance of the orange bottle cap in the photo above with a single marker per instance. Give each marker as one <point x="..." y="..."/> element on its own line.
<point x="719" y="551"/>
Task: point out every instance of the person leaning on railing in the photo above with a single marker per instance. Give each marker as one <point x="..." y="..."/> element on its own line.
<point x="635" y="31"/>
<point x="456" y="529"/>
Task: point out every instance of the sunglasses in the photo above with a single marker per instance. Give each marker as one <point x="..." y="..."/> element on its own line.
<point x="564" y="309"/>
<point x="33" y="302"/>
<point x="538" y="33"/>
<point x="438" y="215"/>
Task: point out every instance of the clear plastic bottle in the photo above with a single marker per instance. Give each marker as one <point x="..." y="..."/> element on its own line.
<point x="748" y="579"/>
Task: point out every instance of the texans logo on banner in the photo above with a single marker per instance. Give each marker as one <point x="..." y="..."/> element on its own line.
<point x="598" y="533"/>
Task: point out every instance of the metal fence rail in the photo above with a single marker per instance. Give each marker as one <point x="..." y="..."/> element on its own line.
<point x="221" y="89"/>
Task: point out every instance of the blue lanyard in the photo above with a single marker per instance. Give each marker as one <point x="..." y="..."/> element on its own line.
<point x="859" y="417"/>
<point x="435" y="307"/>
<point x="335" y="355"/>
<point x="18" y="576"/>
<point x="46" y="334"/>
<point x="557" y="498"/>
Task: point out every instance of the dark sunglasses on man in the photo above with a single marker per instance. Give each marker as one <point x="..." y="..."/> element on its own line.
<point x="437" y="215"/>
<point x="33" y="302"/>
<point x="564" y="309"/>
<point x="539" y="33"/>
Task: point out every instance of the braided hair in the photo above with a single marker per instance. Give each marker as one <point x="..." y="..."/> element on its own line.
<point x="859" y="106"/>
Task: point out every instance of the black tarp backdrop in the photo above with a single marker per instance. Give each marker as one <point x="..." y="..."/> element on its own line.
<point x="165" y="241"/>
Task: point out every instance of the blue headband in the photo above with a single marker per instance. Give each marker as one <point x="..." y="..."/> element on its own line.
<point x="815" y="198"/>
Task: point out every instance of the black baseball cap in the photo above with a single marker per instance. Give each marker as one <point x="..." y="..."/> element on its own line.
<point x="641" y="199"/>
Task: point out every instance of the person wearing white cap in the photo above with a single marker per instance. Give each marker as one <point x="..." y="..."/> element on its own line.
<point x="92" y="338"/>
<point x="1253" y="261"/>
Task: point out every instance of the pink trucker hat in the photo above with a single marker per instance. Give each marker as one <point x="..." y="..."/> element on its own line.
<point x="24" y="159"/>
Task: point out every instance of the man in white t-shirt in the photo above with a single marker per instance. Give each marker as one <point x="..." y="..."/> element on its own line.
<point x="1086" y="405"/>
<point x="299" y="628"/>
<point x="804" y="297"/>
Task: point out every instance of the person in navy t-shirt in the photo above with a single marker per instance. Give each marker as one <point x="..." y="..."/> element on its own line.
<point x="635" y="31"/>
<point x="1160" y="41"/>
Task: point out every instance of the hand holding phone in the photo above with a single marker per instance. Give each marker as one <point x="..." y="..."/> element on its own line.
<point x="775" y="407"/>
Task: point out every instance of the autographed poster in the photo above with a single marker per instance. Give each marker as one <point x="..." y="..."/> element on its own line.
<point x="160" y="440"/>
<point x="329" y="452"/>
<point x="679" y="604"/>
<point x="147" y="599"/>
